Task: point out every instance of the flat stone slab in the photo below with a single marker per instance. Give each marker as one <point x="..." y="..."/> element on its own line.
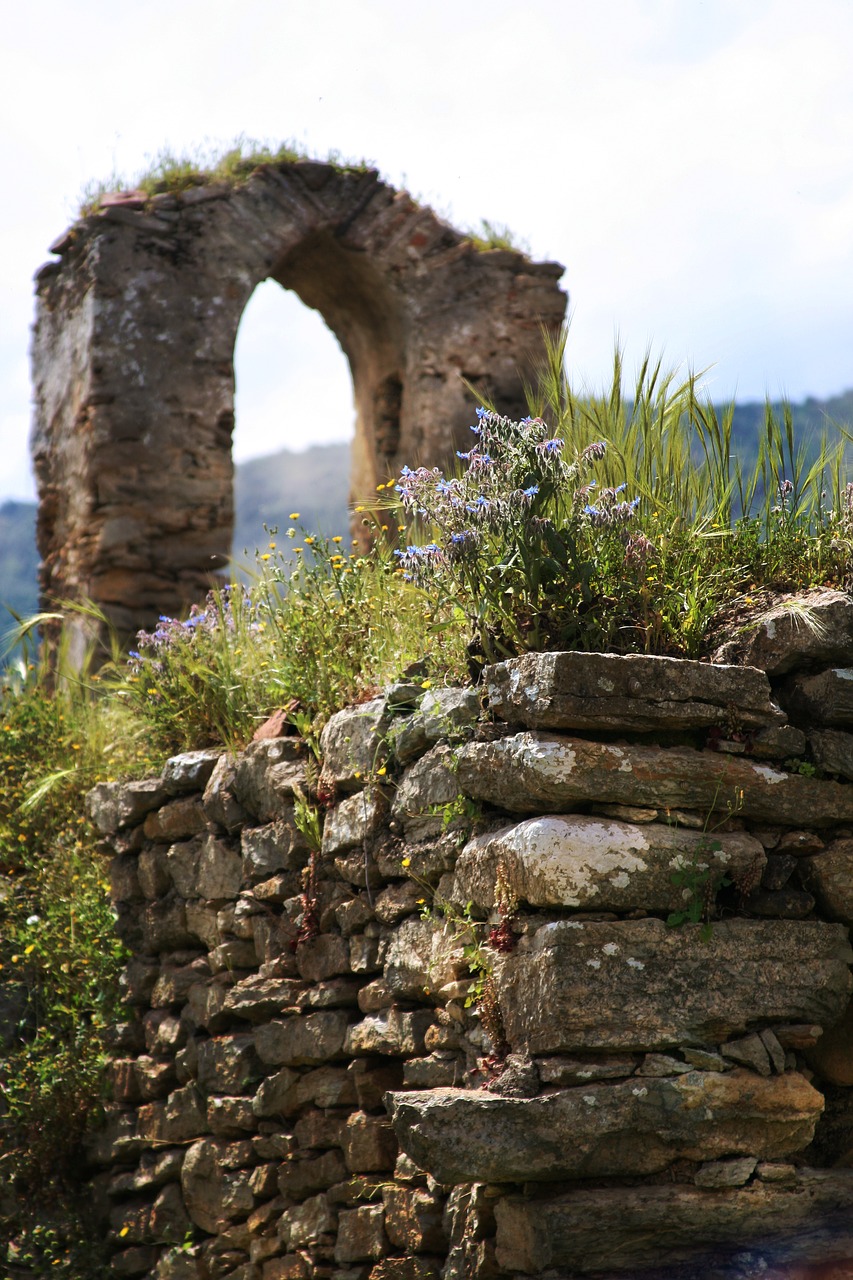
<point x="536" y="772"/>
<point x="638" y="985"/>
<point x="598" y="863"/>
<point x="808" y="1221"/>
<point x="627" y="692"/>
<point x="628" y="1129"/>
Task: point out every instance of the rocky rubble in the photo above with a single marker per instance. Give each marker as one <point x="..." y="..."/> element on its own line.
<point x="459" y="1040"/>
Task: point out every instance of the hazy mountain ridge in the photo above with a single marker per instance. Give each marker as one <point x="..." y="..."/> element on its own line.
<point x="316" y="485"/>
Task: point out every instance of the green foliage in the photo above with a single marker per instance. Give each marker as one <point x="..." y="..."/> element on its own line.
<point x="574" y="567"/>
<point x="491" y="235"/>
<point x="700" y="882"/>
<point x="233" y="164"/>
<point x="59" y="961"/>
<point x="320" y="636"/>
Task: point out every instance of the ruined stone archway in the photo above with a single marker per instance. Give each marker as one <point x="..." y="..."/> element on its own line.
<point x="133" y="361"/>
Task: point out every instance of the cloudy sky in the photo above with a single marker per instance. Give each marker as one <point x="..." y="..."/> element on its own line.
<point x="690" y="162"/>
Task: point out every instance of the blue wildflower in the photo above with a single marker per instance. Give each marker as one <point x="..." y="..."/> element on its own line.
<point x="531" y="491"/>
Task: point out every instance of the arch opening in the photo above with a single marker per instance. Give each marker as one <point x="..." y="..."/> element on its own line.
<point x="294" y="419"/>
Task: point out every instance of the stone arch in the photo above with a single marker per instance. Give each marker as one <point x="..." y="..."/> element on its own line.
<point x="133" y="360"/>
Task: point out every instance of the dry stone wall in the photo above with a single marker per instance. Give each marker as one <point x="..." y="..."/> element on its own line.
<point x="133" y="372"/>
<point x="460" y="1038"/>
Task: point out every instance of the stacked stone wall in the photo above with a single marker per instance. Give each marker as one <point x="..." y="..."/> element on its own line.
<point x="461" y="1038"/>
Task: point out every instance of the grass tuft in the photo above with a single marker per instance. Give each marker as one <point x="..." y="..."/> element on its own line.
<point x="233" y="164"/>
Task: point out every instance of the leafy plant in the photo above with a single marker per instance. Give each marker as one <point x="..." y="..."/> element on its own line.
<point x="516" y="537"/>
<point x="700" y="882"/>
<point x="59" y="957"/>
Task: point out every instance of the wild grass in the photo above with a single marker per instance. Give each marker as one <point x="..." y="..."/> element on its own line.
<point x="710" y="534"/>
<point x="318" y="636"/>
<point x="493" y="235"/>
<point x="232" y="163"/>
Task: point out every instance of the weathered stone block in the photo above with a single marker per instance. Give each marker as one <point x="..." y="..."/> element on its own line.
<point x="174" y="982"/>
<point x="219" y="801"/>
<point x="219" y="871"/>
<point x="535" y="773"/>
<point x="598" y="864"/>
<point x="315" y="1128"/>
<point x="353" y="820"/>
<point x="302" y="1176"/>
<point x="426" y="794"/>
<point x="831" y="1056"/>
<point x="153" y="872"/>
<point x="361" y="1234"/>
<point x="778" y="638"/>
<point x="442" y="714"/>
<point x="639" y="1229"/>
<point x="372" y="1078"/>
<point x="626" y="692"/>
<point x="832" y="751"/>
<point x="353" y="744"/>
<point x="307" y="1222"/>
<point x="302" y="1041"/>
<point x="257" y="999"/>
<point x="190" y="771"/>
<point x="178" y="820"/>
<point x="604" y="1130"/>
<point x="178" y="1119"/>
<point x="323" y="957"/>
<point x="113" y="805"/>
<point x="124" y="879"/>
<point x="413" y="1219"/>
<point x="265" y="776"/>
<point x="230" y="1117"/>
<point x="638" y="985"/>
<point x="397" y="901"/>
<point x="825" y="698"/>
<point x="829" y="876"/>
<point x="422" y="956"/>
<point x="215" y="1195"/>
<point x="368" y="1143"/>
<point x="227" y="1064"/>
<point x="391" y="1032"/>
<point x="164" y="926"/>
<point x="278" y="846"/>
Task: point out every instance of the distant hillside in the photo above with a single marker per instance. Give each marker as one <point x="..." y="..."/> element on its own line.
<point x="266" y="490"/>
<point x="316" y="484"/>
